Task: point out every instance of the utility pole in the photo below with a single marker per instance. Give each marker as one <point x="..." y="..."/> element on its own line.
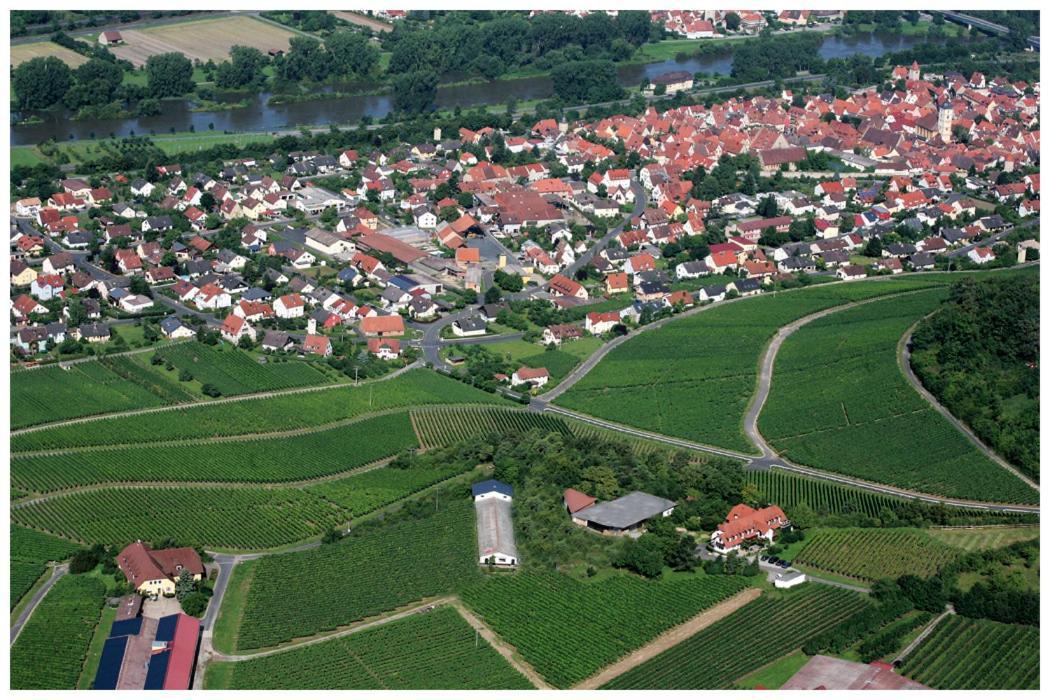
<point x="356" y="382"/>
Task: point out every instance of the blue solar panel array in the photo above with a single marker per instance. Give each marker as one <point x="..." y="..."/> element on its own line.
<point x="158" y="666"/>
<point x="166" y="628"/>
<point x="126" y="628"/>
<point x="109" y="664"/>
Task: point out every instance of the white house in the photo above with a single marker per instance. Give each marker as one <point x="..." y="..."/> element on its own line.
<point x="789" y="579"/>
<point x="289" y="306"/>
<point x="528" y="375"/>
<point x="981" y="255"/>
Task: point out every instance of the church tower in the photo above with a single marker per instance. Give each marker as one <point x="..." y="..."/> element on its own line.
<point x="944" y="121"/>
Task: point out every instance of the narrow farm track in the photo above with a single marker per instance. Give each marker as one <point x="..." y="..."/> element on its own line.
<point x="670" y="638"/>
<point x="904" y="361"/>
<point x="198" y="404"/>
<point x="38" y="595"/>
<point x="502" y="648"/>
<point x="922" y="636"/>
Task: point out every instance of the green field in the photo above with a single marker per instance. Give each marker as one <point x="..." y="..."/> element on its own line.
<point x="436" y="650"/>
<point x="874" y="553"/>
<point x="558" y="362"/>
<point x="253" y="416"/>
<point x="776" y="674"/>
<point x="993" y="537"/>
<point x="568" y="629"/>
<point x="378" y="570"/>
<point x="365" y="492"/>
<point x="976" y="654"/>
<point x="233" y="371"/>
<point x="49" y="653"/>
<point x="755" y="635"/>
<point x="444" y="426"/>
<point x="694" y="377"/>
<point x="270" y="460"/>
<point x="839" y="402"/>
<point x="30" y="553"/>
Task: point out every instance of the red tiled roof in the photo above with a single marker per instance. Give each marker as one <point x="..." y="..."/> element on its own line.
<point x="577" y="500"/>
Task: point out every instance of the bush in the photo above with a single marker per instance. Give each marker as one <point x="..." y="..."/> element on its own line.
<point x="195" y="604"/>
<point x="210" y="390"/>
<point x="83" y="561"/>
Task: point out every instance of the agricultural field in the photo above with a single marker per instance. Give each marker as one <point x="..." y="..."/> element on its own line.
<point x="84" y="389"/>
<point x="233" y="371"/>
<point x="761" y="632"/>
<point x="20" y="53"/>
<point x="254" y="416"/>
<point x="256" y="460"/>
<point x="381" y="568"/>
<point x="839" y="402"/>
<point x="874" y="553"/>
<point x="976" y="654"/>
<point x="568" y="629"/>
<point x="694" y="377"/>
<point x="30" y="553"/>
<point x="203" y="40"/>
<point x="992" y="537"/>
<point x="436" y="650"/>
<point x="50" y="650"/>
<point x="444" y="426"/>
<point x="232" y="518"/>
<point x="365" y="492"/>
<point x="558" y="362"/>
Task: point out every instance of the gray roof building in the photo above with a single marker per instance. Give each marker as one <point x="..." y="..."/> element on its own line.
<point x="625" y="513"/>
<point x="495" y="532"/>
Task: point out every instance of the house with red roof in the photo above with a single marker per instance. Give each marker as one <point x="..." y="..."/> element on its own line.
<point x="384" y="348"/>
<point x="317" y="345"/>
<point x="744" y="524"/>
<point x="153" y="572"/>
<point x="563" y="286"/>
<point x="536" y="377"/>
<point x="383" y="326"/>
<point x="598" y="322"/>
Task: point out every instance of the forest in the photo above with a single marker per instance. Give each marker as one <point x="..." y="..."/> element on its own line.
<point x="979" y="355"/>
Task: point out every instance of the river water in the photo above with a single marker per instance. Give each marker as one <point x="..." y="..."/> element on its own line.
<point x="259" y="116"/>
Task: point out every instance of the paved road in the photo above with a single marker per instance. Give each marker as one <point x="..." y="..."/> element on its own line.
<point x="56" y="573"/>
<point x="904" y="361"/>
<point x="964" y="250"/>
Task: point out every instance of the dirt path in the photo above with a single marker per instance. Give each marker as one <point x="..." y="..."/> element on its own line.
<point x="670" y="638"/>
<point x="505" y="650"/>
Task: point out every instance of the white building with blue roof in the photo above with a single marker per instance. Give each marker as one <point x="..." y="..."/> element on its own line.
<point x="492" y="504"/>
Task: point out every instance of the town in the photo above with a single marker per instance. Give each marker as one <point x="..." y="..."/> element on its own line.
<point x="707" y="360"/>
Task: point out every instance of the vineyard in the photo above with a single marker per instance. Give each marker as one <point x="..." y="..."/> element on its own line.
<point x="235" y="518"/>
<point x="267" y="460"/>
<point x="49" y="653"/>
<point x="168" y="389"/>
<point x="694" y="377"/>
<point x="567" y="629"/>
<point x="753" y="636"/>
<point x="974" y="538"/>
<point x="871" y="553"/>
<point x="444" y="426"/>
<point x="30" y="553"/>
<point x="976" y="654"/>
<point x="362" y="575"/>
<point x="250" y="416"/>
<point x="233" y="371"/>
<point x="789" y="490"/>
<point x="839" y="402"/>
<point x="435" y="650"/>
<point x="362" y="493"/>
<point x="86" y="388"/>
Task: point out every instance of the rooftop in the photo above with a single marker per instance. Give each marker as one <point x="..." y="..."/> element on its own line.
<point x="625" y="511"/>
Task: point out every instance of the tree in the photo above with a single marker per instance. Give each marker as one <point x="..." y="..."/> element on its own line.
<point x="194" y="604"/>
<point x="635" y="26"/>
<point x="579" y="82"/>
<point x="184" y="585"/>
<point x="643" y="556"/>
<point x="97" y="82"/>
<point x="244" y="68"/>
<point x="492" y="295"/>
<point x="415" y="92"/>
<point x="732" y="20"/>
<point x="41" y="82"/>
<point x="873" y="248"/>
<point x="351" y="53"/>
<point x="169" y="75"/>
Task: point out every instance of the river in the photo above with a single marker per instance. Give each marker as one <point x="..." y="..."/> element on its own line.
<point x="259" y="116"/>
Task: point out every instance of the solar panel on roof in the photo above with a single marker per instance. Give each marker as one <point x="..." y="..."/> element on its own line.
<point x="166" y="628"/>
<point x="109" y="663"/>
<point x="125" y="628"/>
<point x="158" y="668"/>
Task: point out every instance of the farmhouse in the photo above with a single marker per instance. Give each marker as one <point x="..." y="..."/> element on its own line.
<point x="492" y="504"/>
<point x="110" y="38"/>
<point x="383" y="326"/>
<point x="626" y="515"/>
<point x="153" y="572"/>
<point x="146" y="653"/>
<point x="528" y="375"/>
<point x="745" y="523"/>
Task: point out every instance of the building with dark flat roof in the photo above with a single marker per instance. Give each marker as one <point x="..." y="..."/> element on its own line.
<point x="626" y="515"/>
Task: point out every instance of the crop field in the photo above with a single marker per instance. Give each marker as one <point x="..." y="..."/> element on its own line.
<point x="840" y="402"/>
<point x="49" y="653"/>
<point x="568" y="629"/>
<point x="169" y="389"/>
<point x="874" y="553"/>
<point x="445" y="426"/>
<point x="436" y="650"/>
<point x="993" y="537"/>
<point x="233" y="371"/>
<point x="204" y="40"/>
<point x="86" y="388"/>
<point x="378" y="570"/>
<point x="693" y="378"/>
<point x="235" y="518"/>
<point x="30" y="552"/>
<point x="976" y="654"/>
<point x="20" y="53"/>
<point x="274" y="459"/>
<point x="365" y="492"/>
<point x="252" y="416"/>
<point x="760" y="632"/>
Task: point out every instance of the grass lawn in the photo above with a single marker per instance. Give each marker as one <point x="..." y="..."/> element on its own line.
<point x="229" y="620"/>
<point x="776" y="674"/>
<point x="94" y="655"/>
<point x="26" y="155"/>
<point x="993" y="537"/>
<point x="558" y="362"/>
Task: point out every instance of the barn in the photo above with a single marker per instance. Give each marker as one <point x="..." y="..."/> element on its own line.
<point x="626" y="515"/>
<point x="492" y="504"/>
